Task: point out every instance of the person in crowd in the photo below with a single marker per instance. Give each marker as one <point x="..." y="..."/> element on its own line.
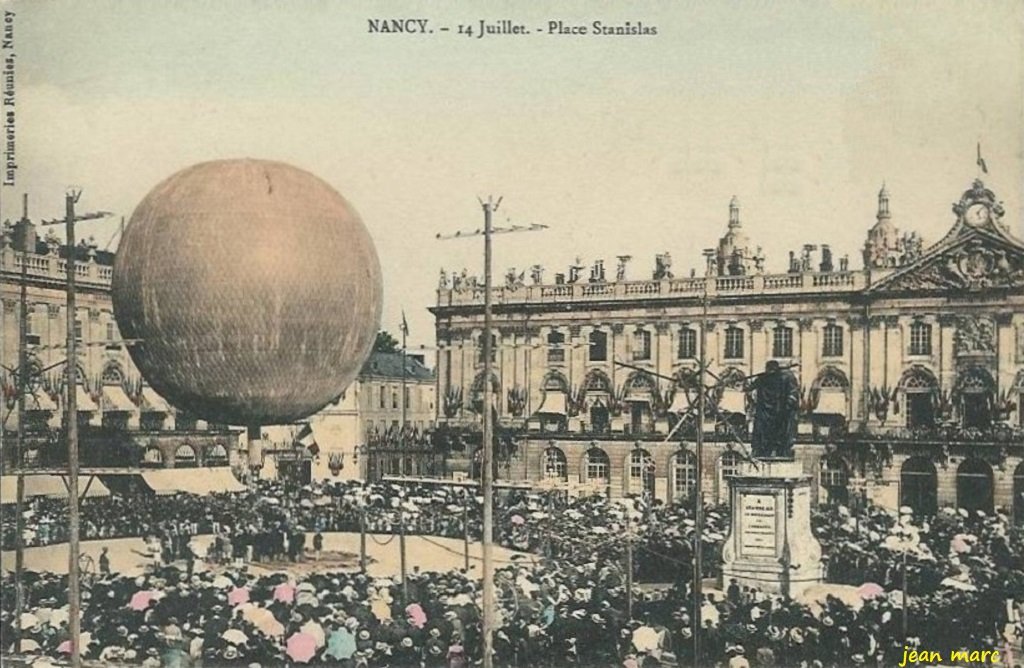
<point x="567" y="605"/>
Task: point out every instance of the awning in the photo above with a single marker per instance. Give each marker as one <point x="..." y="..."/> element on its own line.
<point x="153" y="402"/>
<point x="47" y="485"/>
<point x="733" y="401"/>
<point x="831" y="402"/>
<point x="680" y="402"/>
<point x="84" y="401"/>
<point x="39" y="401"/>
<point x="115" y="399"/>
<point x="199" y="481"/>
<point x="553" y="404"/>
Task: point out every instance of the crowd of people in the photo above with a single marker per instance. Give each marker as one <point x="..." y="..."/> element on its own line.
<point x="568" y="606"/>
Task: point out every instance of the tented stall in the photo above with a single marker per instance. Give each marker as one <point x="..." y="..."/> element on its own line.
<point x="51" y="486"/>
<point x="200" y="481"/>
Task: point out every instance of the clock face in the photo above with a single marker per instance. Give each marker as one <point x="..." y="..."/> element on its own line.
<point x="977" y="214"/>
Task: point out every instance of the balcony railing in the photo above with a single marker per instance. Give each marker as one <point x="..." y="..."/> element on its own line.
<point x="53" y="267"/>
<point x="674" y="288"/>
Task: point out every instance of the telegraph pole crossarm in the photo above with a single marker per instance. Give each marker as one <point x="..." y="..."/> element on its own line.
<point x="489" y="208"/>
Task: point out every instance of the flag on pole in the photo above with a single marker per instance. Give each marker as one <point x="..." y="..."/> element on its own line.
<point x="306" y="439"/>
<point x="405" y="324"/>
<point x="981" y="161"/>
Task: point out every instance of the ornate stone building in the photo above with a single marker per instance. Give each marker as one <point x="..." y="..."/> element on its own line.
<point x="123" y="421"/>
<point x="911" y="367"/>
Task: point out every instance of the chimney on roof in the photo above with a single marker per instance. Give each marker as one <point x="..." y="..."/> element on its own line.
<point x="24" y="237"/>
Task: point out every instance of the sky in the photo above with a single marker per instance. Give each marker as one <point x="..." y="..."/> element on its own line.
<point x="621" y="145"/>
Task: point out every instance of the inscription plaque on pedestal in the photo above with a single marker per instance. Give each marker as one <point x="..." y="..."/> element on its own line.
<point x="770" y="544"/>
<point x="758" y="538"/>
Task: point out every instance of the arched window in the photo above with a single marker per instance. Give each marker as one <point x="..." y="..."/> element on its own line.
<point x="555" y="467"/>
<point x="477" y="398"/>
<point x="835" y="479"/>
<point x="684" y="476"/>
<point x="919" y="486"/>
<point x="184" y="456"/>
<point x="728" y="466"/>
<point x="974" y="485"/>
<point x="641" y="472"/>
<point x="112" y="374"/>
<point x="596" y="466"/>
<point x="153" y="457"/>
<point x="218" y="456"/>
<point x="597" y="381"/>
<point x="919" y="387"/>
<point x="831" y="387"/>
<point x="976" y="390"/>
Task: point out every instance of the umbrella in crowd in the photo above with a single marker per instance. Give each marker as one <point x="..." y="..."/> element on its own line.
<point x="301" y="647"/>
<point x="567" y="604"/>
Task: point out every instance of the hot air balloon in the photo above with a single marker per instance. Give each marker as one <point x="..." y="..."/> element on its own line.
<point x="253" y="288"/>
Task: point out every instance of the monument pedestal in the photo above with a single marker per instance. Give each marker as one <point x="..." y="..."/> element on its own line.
<point x="770" y="545"/>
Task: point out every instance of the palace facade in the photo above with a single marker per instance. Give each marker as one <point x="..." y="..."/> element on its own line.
<point x="123" y="422"/>
<point x="911" y="366"/>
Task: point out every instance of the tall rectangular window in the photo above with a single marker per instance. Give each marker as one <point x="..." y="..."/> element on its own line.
<point x="78" y="329"/>
<point x="832" y="337"/>
<point x="480" y="350"/>
<point x="782" y="342"/>
<point x="733" y="343"/>
<point x="687" y="343"/>
<point x="641" y="345"/>
<point x="383" y="400"/>
<point x="920" y="339"/>
<point x="598" y="346"/>
<point x="110" y="331"/>
<point x="556" y="351"/>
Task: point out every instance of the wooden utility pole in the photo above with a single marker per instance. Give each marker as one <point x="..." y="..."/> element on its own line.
<point x="401" y="549"/>
<point x="71" y="422"/>
<point x="22" y="385"/>
<point x="465" y="531"/>
<point x="629" y="569"/>
<point x="698" y="519"/>
<point x="71" y="419"/>
<point x="362" y="535"/>
<point x="489" y="208"/>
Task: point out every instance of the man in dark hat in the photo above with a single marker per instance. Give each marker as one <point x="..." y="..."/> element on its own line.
<point x="776" y="401"/>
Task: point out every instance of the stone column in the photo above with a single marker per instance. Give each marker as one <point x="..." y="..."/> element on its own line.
<point x="758" y="341"/>
<point x="858" y="382"/>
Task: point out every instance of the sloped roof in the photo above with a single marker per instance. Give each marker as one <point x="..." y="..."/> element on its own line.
<point x="389" y="365"/>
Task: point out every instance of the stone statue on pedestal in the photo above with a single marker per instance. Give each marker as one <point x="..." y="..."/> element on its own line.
<point x="776" y="404"/>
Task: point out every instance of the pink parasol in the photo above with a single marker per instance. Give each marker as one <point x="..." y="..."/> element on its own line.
<point x="417" y="617"/>
<point x="301" y="647"/>
<point x="870" y="590"/>
<point x="141" y="600"/>
<point x="238" y="596"/>
<point x="518" y="519"/>
<point x="284" y="592"/>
